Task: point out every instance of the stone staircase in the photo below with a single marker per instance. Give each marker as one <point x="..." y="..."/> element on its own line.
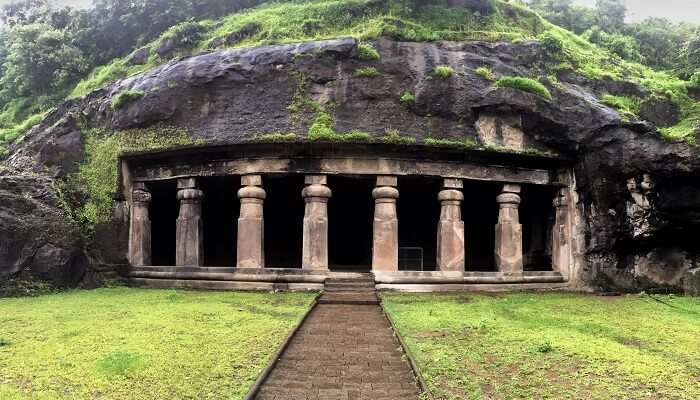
<point x="355" y="289"/>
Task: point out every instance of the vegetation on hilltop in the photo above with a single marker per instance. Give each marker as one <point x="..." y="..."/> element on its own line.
<point x="45" y="54"/>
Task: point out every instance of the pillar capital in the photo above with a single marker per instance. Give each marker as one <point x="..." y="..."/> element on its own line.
<point x="251" y="180"/>
<point x="316" y="192"/>
<point x="141" y="195"/>
<point x="385" y="193"/>
<point x="452" y="183"/>
<point x="450" y="195"/>
<point x="187" y="183"/>
<point x="252" y="193"/>
<point x="190" y="195"/>
<point x="387" y="180"/>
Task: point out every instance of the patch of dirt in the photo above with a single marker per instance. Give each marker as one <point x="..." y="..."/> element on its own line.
<point x="429" y="334"/>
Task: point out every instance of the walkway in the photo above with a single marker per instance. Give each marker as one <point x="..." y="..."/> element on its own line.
<point x="345" y="350"/>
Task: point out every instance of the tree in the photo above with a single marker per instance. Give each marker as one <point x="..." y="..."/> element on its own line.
<point x="565" y="14"/>
<point x="659" y="41"/>
<point x="610" y="15"/>
<point x="40" y="62"/>
<point x="23" y="11"/>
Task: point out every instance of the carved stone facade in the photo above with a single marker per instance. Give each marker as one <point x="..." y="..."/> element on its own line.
<point x="451" y="242"/>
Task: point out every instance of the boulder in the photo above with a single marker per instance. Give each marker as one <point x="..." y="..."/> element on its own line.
<point x="691" y="282"/>
<point x="660" y="112"/>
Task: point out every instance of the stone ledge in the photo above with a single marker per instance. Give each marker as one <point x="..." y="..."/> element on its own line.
<point x="469" y="277"/>
<point x="501" y="287"/>
<point x="222" y="285"/>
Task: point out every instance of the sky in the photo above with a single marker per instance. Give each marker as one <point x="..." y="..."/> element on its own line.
<point x="675" y="10"/>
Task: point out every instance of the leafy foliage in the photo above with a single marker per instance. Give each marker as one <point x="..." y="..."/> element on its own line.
<point x="87" y="195"/>
<point x="526" y="84"/>
<point x="408" y="97"/>
<point x="485" y="72"/>
<point x="627" y="106"/>
<point x="443" y="71"/>
<point x="366" y="72"/>
<point x="367" y="52"/>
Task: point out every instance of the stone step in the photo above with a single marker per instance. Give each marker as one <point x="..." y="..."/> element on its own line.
<point x="349" y="284"/>
<point x="366" y="298"/>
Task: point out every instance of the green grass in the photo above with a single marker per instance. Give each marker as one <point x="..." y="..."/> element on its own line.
<point x="14" y="132"/>
<point x="627" y="106"/>
<point x="525" y="84"/>
<point x="553" y="346"/>
<point x="277" y="137"/>
<point x="127" y="343"/>
<point x="366" y="72"/>
<point x="485" y="72"/>
<point x="408" y="97"/>
<point x="443" y="71"/>
<point x="126" y="97"/>
<point x="367" y="52"/>
<point x="466" y="144"/>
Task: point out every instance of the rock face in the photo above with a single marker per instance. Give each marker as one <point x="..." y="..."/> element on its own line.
<point x="640" y="194"/>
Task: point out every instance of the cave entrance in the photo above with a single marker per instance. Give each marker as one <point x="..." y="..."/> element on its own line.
<point x="480" y="215"/>
<point x="220" y="209"/>
<point x="163" y="212"/>
<point x="418" y="212"/>
<point x="350" y="219"/>
<point x="537" y="218"/>
<point x="284" y="219"/>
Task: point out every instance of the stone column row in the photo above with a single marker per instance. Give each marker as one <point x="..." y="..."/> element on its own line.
<point x="508" y="251"/>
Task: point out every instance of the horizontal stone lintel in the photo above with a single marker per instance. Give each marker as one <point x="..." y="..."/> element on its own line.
<point x="351" y="166"/>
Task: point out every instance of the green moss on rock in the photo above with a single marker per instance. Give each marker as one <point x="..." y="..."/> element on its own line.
<point x="125" y="97"/>
<point x="525" y="84"/>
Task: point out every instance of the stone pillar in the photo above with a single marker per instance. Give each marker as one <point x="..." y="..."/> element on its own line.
<point x="251" y="250"/>
<point x="189" y="250"/>
<point x="509" y="232"/>
<point x="385" y="242"/>
<point x="560" y="233"/>
<point x="140" y="227"/>
<point x="450" y="232"/>
<point x="315" y="242"/>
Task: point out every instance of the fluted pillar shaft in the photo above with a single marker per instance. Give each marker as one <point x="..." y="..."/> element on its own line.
<point x="450" y="232"/>
<point x="385" y="238"/>
<point x="509" y="232"/>
<point x="561" y="249"/>
<point x="140" y="227"/>
<point x="189" y="227"/>
<point x="315" y="239"/>
<point x="250" y="247"/>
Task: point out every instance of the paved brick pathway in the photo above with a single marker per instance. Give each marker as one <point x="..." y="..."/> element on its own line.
<point x="342" y="351"/>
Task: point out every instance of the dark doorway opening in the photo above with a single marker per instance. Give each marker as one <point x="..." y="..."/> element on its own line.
<point x="537" y="218"/>
<point x="284" y="220"/>
<point x="480" y="215"/>
<point x="418" y="213"/>
<point x="350" y="219"/>
<point x="163" y="212"/>
<point x="220" y="209"/>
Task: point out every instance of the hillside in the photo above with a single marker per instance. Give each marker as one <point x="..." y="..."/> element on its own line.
<point x="654" y="92"/>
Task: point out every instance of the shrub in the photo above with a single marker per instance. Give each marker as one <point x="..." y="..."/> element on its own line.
<point x="366" y="72"/>
<point x="322" y="127"/>
<point x="525" y="84"/>
<point x="10" y="134"/>
<point x="367" y="52"/>
<point x="126" y="97"/>
<point x="695" y="80"/>
<point x="485" y="72"/>
<point x="551" y="44"/>
<point x="408" y="97"/>
<point x="628" y="107"/>
<point x="393" y="136"/>
<point x="443" y="71"/>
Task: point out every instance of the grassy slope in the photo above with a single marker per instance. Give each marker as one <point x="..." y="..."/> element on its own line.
<point x="554" y="346"/>
<point x="293" y="21"/>
<point x="141" y="344"/>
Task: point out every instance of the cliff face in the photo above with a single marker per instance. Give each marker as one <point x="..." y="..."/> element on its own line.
<point x="638" y="235"/>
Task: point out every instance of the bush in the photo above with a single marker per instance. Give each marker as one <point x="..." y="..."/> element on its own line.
<point x="525" y="84"/>
<point x="443" y="71"/>
<point x="366" y="72"/>
<point x="695" y="80"/>
<point x="126" y="97"/>
<point x="628" y="107"/>
<point x="393" y="136"/>
<point x="551" y="44"/>
<point x="367" y="52"/>
<point x="322" y="127"/>
<point x="408" y="97"/>
<point x="485" y="72"/>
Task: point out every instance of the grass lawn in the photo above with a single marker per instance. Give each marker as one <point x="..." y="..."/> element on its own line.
<point x="553" y="345"/>
<point x="125" y="343"/>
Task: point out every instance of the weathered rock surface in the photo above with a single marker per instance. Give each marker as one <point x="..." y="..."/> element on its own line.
<point x="635" y="238"/>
